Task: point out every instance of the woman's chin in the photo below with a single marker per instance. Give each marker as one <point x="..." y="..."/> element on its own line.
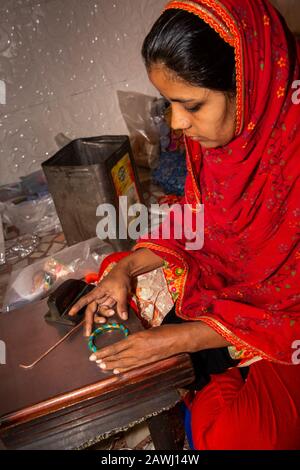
<point x="208" y="144"/>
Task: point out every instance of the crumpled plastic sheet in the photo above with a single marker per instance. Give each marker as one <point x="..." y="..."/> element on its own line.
<point x="20" y="247"/>
<point x="37" y="216"/>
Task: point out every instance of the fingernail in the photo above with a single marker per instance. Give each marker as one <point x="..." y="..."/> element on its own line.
<point x="93" y="357"/>
<point x="116" y="371"/>
<point x="103" y="366"/>
<point x="124" y="315"/>
<point x="111" y="313"/>
<point x="99" y="361"/>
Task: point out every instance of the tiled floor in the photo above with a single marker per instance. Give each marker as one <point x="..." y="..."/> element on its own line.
<point x="137" y="438"/>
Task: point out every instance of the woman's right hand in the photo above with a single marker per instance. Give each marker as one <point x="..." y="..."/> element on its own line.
<point x="112" y="292"/>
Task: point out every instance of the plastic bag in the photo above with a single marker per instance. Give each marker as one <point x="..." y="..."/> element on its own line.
<point x="37" y="216"/>
<point x="35" y="184"/>
<point x="144" y="118"/>
<point x="12" y="191"/>
<point x="41" y="278"/>
<point x="160" y="111"/>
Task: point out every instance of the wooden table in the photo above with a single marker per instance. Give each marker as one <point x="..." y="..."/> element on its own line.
<point x="65" y="401"/>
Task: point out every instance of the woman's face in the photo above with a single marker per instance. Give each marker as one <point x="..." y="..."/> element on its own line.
<point x="205" y="115"/>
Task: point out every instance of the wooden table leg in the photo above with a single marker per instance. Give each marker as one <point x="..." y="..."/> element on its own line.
<point x="167" y="429"/>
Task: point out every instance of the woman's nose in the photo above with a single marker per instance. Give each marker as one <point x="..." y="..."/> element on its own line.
<point x="179" y="120"/>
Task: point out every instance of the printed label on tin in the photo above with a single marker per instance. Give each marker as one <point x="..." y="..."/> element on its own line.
<point x="124" y="182"/>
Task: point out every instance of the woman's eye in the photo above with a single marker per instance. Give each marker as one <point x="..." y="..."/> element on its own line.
<point x="194" y="109"/>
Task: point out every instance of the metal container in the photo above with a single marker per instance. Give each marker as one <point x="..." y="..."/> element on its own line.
<point x="86" y="173"/>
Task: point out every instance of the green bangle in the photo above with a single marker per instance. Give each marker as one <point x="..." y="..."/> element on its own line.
<point x="105" y="329"/>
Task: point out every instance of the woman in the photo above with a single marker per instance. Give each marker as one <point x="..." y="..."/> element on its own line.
<point x="228" y="68"/>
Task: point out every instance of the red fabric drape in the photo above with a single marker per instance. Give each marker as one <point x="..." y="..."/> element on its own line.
<point x="245" y="281"/>
<point x="261" y="414"/>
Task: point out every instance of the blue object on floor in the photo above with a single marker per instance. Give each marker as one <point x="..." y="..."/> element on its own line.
<point x="187" y="425"/>
<point x="171" y="172"/>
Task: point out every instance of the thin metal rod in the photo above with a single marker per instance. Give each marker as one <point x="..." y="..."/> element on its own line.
<point x="30" y="366"/>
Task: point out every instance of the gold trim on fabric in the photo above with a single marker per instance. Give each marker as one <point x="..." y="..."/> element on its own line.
<point x="228" y="36"/>
<point x="229" y="31"/>
<point x="236" y="341"/>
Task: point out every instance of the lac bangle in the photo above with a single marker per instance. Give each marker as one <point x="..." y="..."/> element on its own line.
<point x="105" y="329"/>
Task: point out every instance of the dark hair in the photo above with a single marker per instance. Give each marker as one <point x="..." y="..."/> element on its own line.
<point x="188" y="46"/>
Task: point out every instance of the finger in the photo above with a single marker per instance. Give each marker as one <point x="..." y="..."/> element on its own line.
<point x="126" y="354"/>
<point x="111" y="350"/>
<point x="89" y="318"/>
<point x="122" y="370"/>
<point x="109" y="302"/>
<point x="105" y="308"/>
<point x="122" y="308"/>
<point x="105" y="311"/>
<point x="99" y="319"/>
<point x="125" y="363"/>
<point x="95" y="294"/>
<point x="99" y="315"/>
<point x="125" y="367"/>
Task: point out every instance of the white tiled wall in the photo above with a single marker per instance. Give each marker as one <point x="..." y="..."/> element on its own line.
<point x="62" y="62"/>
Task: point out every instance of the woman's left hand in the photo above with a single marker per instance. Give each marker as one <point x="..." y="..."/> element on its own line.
<point x="142" y="348"/>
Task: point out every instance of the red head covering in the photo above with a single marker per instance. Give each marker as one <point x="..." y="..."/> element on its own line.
<point x="245" y="281"/>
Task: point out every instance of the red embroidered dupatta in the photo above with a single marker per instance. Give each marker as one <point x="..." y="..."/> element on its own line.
<point x="245" y="281"/>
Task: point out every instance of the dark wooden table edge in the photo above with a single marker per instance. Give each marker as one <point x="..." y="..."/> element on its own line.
<point x="69" y="399"/>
